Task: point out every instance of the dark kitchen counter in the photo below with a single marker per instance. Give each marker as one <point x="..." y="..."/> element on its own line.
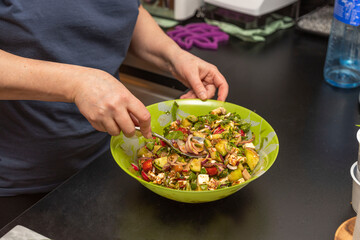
<point x="306" y="194"/>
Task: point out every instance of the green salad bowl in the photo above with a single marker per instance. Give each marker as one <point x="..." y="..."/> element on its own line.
<point x="124" y="149"/>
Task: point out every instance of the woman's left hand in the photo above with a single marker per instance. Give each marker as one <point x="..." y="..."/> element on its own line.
<point x="149" y="42"/>
<point x="201" y="77"/>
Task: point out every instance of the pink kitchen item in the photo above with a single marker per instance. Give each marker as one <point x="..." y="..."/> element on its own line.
<point x="201" y="35"/>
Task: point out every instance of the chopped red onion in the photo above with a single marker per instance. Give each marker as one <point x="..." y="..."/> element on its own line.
<point x="209" y="164"/>
<point x="205" y="161"/>
<point x="220" y="165"/>
<point x="231" y="167"/>
<point x="166" y="167"/>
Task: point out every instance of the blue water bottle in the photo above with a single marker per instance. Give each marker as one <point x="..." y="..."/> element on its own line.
<point x="342" y="65"/>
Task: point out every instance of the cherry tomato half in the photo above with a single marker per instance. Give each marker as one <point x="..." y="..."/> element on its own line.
<point x="147" y="165"/>
<point x="211" y="171"/>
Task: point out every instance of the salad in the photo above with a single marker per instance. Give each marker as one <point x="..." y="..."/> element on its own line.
<point x="230" y="155"/>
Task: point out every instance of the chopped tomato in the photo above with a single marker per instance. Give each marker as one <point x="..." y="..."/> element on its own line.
<point x="211" y="171"/>
<point x="147" y="165"/>
<point x="183" y="130"/>
<point x="242" y="133"/>
<point x="163" y="143"/>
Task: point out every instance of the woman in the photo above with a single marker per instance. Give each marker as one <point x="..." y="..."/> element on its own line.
<point x="60" y="99"/>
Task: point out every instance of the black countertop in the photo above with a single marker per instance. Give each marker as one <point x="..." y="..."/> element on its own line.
<point x="306" y="194"/>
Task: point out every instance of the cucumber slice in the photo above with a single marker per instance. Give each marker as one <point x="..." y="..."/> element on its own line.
<point x="195" y="165"/>
<point x="160" y="162"/>
<point x="235" y="175"/>
<point x="252" y="158"/>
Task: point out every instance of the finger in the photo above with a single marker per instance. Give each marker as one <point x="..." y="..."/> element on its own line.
<point x="222" y="85"/>
<point x="185" y="95"/>
<point x="123" y="120"/>
<point x="189" y="94"/>
<point x="142" y="116"/>
<point x="111" y="127"/>
<point x="198" y="87"/>
<point x="135" y="121"/>
<point x="133" y="118"/>
<point x="211" y="89"/>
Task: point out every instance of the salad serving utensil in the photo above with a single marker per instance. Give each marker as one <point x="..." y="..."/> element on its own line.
<point x="170" y="143"/>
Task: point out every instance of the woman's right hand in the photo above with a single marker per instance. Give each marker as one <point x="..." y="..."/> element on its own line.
<point x="108" y="105"/>
<point x="101" y="98"/>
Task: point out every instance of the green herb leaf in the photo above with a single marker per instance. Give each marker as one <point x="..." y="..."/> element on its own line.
<point x="150" y="145"/>
<point x="175" y="135"/>
<point x="166" y="130"/>
<point x="245" y="127"/>
<point x="174" y="109"/>
<point x="198" y="125"/>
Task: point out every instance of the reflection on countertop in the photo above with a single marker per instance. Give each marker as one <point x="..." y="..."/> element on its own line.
<point x="148" y="92"/>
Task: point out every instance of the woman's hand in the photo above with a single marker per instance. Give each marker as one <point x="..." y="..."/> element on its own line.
<point x="150" y="43"/>
<point x="109" y="106"/>
<point x="201" y="77"/>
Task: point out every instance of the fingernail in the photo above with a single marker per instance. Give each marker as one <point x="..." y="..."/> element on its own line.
<point x="202" y="95"/>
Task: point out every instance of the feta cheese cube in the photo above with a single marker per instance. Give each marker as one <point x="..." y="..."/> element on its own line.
<point x="202" y="179"/>
<point x="249" y="145"/>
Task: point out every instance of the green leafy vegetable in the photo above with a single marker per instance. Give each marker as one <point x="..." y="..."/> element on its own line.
<point x="245" y="127"/>
<point x="174" y="109"/>
<point x="150" y="145"/>
<point x="198" y="125"/>
<point x="192" y="176"/>
<point x="175" y="135"/>
<point x="166" y="130"/>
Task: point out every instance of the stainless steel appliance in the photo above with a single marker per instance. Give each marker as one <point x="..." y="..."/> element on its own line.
<point x="250" y="14"/>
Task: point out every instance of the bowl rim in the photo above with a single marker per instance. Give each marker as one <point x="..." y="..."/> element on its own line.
<point x="243" y="184"/>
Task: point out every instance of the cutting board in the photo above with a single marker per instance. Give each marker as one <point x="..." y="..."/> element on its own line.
<point x="346" y="230"/>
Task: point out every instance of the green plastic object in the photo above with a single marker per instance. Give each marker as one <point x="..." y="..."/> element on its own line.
<point x="266" y="142"/>
<point x="274" y="23"/>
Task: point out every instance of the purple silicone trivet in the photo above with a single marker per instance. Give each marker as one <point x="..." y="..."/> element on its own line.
<point x="201" y="35"/>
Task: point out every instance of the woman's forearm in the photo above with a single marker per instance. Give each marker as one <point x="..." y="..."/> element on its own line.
<point x="29" y="79"/>
<point x="150" y="43"/>
<point x="100" y="97"/>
